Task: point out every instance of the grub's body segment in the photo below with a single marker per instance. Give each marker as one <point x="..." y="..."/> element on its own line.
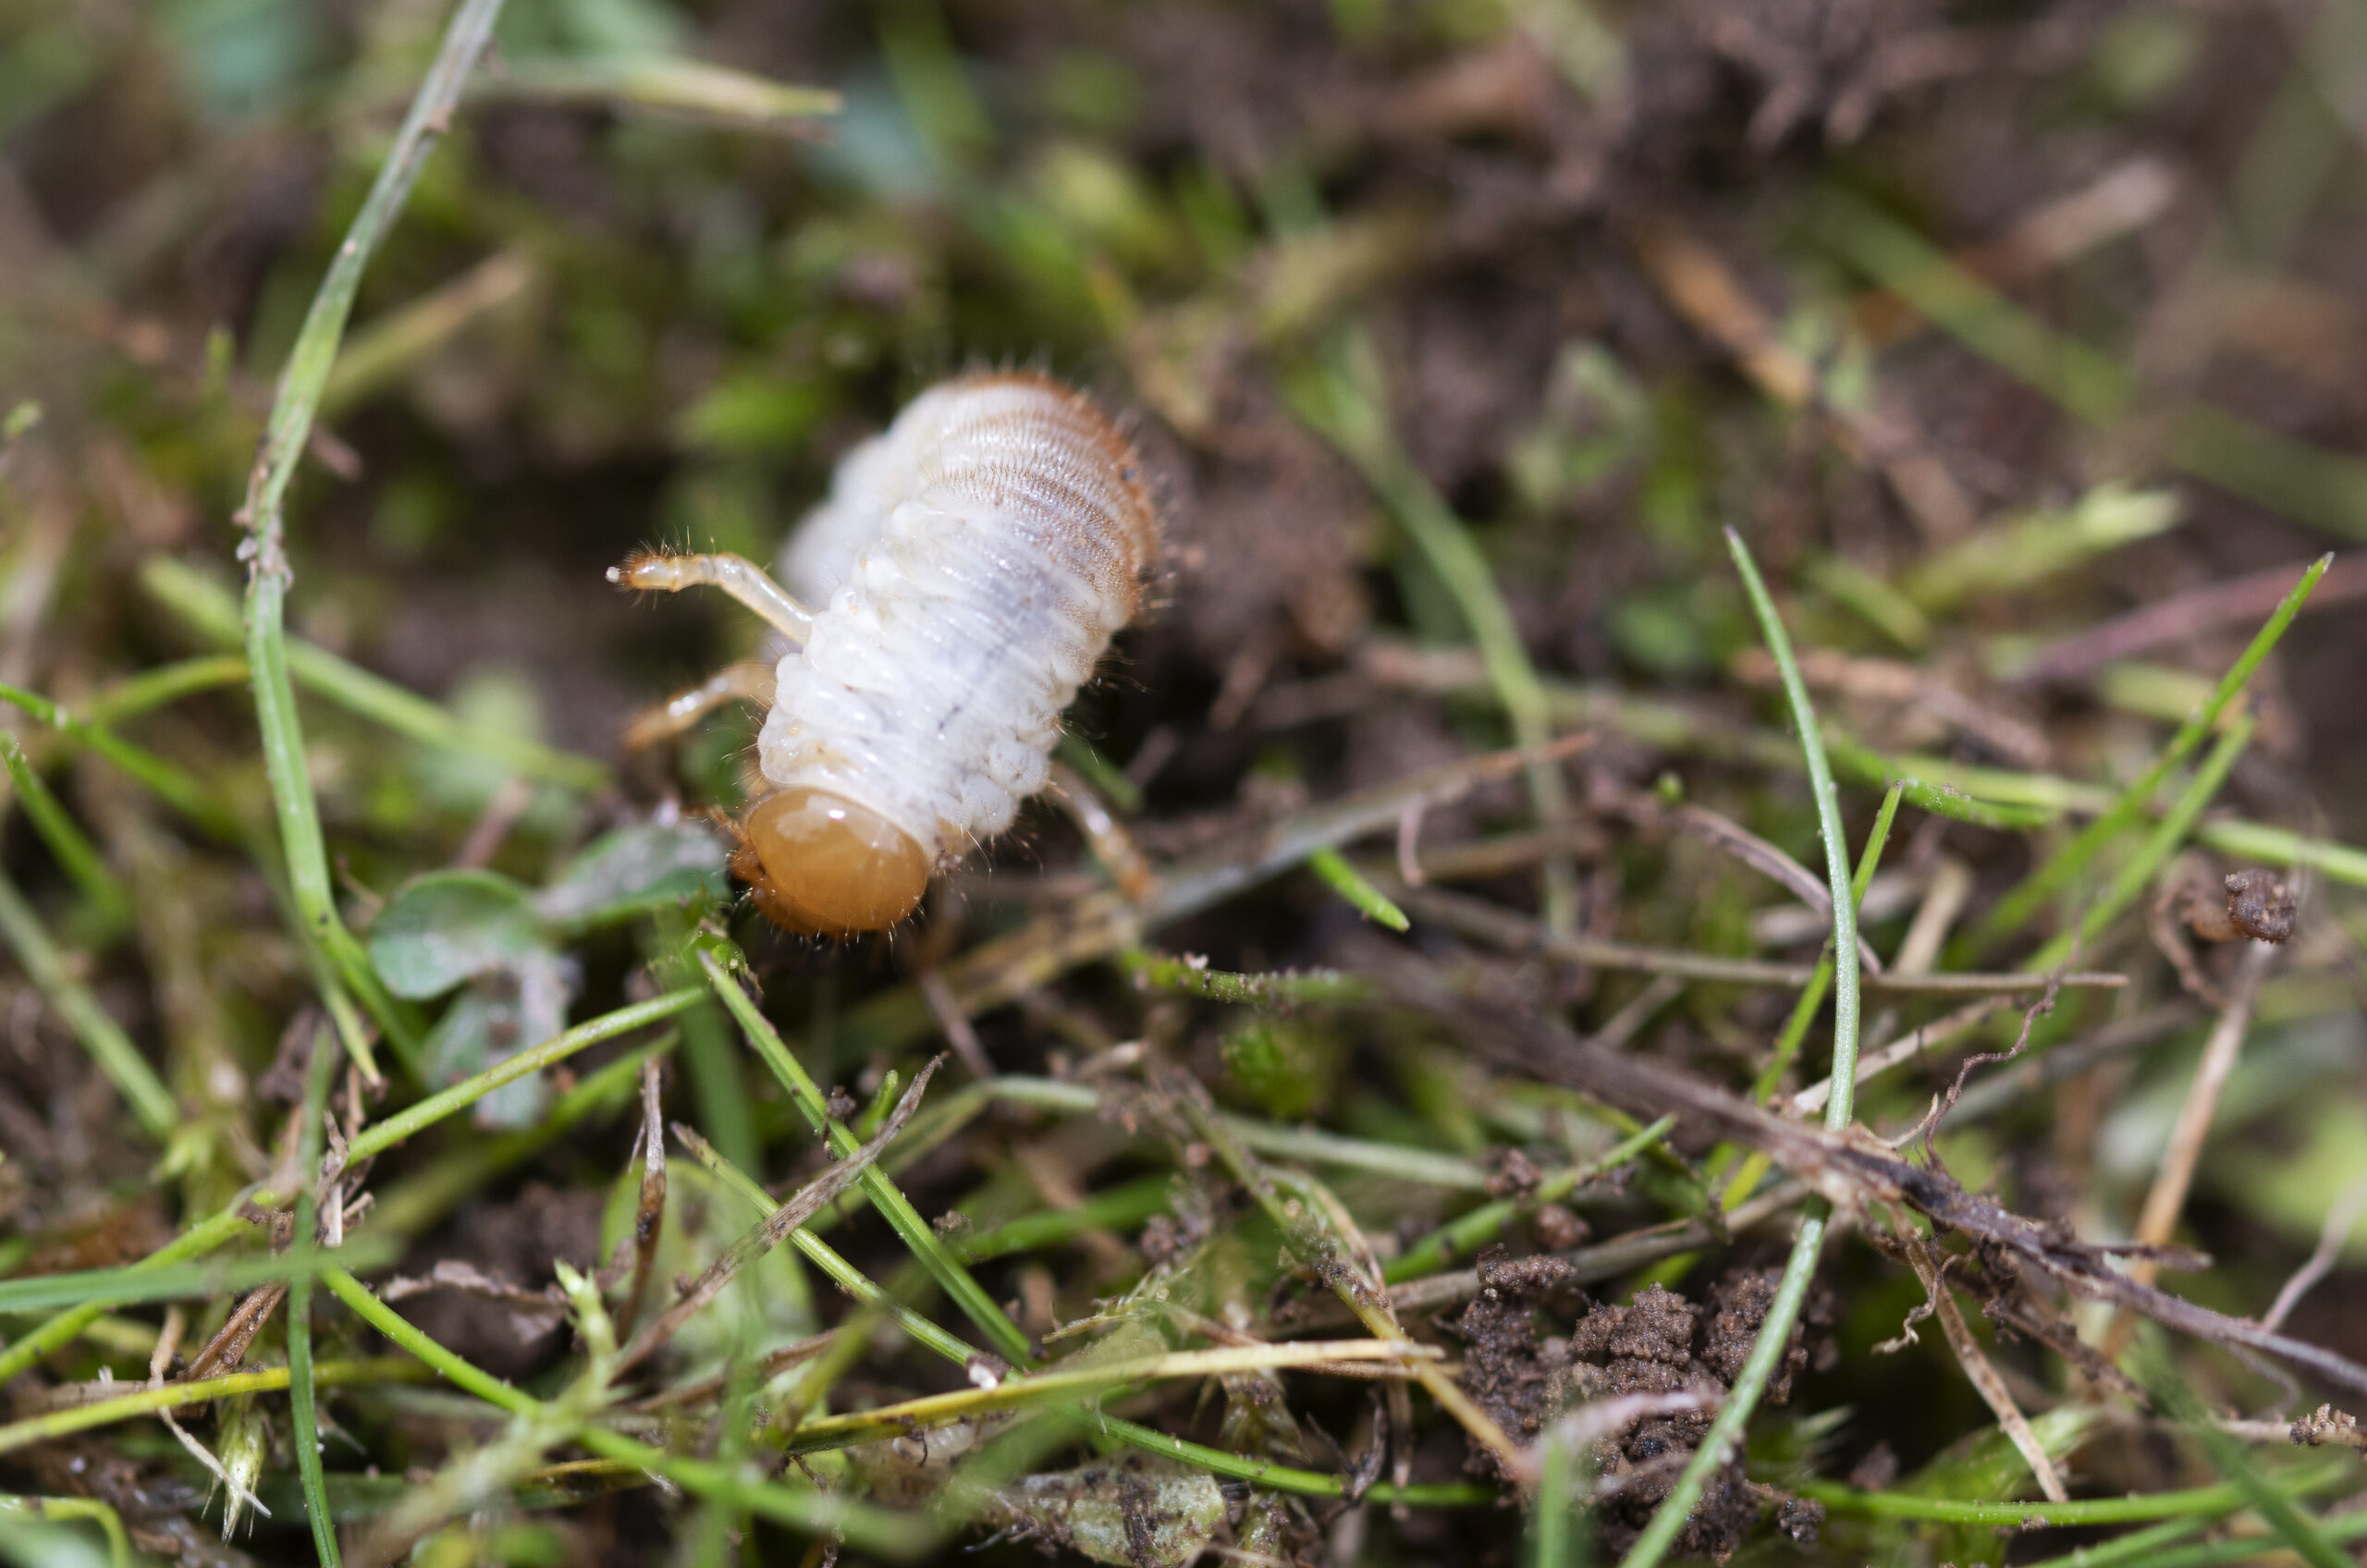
<point x="966" y="572"/>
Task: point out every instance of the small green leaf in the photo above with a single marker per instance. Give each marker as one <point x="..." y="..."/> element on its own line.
<point x="452" y="925"/>
<point x="504" y="1011"/>
<point x="633" y="867"/>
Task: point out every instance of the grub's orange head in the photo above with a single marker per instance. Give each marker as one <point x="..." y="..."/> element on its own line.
<point x="829" y="866"/>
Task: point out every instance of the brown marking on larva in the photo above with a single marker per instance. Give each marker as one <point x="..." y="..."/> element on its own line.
<point x="2261" y="906"/>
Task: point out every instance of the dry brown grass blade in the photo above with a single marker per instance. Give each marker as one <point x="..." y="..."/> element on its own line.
<point x="1931" y="1268"/>
<point x="2167" y="1199"/>
<point x="649" y="1216"/>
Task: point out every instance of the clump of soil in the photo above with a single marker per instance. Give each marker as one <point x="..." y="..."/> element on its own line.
<point x="1660" y="1343"/>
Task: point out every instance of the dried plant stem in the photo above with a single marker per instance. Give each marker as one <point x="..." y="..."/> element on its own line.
<point x="2167" y="1199"/>
<point x="766" y="1235"/>
<point x="1907" y="1046"/>
<point x="1929" y="1267"/>
<point x="846" y="1276"/>
<point x="2341" y="1219"/>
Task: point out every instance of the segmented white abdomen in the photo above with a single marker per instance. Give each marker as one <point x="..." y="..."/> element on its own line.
<point x="966" y="573"/>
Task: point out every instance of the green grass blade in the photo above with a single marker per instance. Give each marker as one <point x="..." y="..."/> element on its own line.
<point x="110" y="1048"/>
<point x="889" y="1200"/>
<point x="167" y="781"/>
<point x="2325" y="489"/>
<point x="2028" y="896"/>
<point x="73" y="851"/>
<point x="1332" y="399"/>
<point x="285" y="434"/>
<point x="169" y="683"/>
<point x="302" y="1395"/>
<point x="110" y="1523"/>
<point x="2155" y="853"/>
<point x="212" y="613"/>
<point x="1725" y="1437"/>
<point x="866" y="1290"/>
<point x="1336" y="873"/>
<point x="2274" y="1506"/>
<point x="147" y="1400"/>
<point x="211" y="1232"/>
<point x="381" y="1135"/>
<point x="1193" y="977"/>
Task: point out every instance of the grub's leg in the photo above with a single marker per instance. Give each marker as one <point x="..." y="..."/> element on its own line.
<point x="736" y="575"/>
<point x="747" y="682"/>
<point x="1104" y="834"/>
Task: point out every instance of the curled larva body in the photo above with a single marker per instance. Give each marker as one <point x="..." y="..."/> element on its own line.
<point x="966" y="574"/>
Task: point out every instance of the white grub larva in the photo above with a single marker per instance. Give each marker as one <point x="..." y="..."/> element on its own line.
<point x="970" y="567"/>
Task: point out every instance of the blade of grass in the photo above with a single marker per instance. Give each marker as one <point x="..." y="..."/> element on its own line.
<point x="284" y="434"/>
<point x="167" y="683"/>
<point x="1333" y="868"/>
<point x="1465" y="1234"/>
<point x="1725" y="1436"/>
<point x="2278" y="1511"/>
<point x="167" y="781"/>
<point x="669" y="85"/>
<point x="1193" y="977"/>
<point x="212" y="613"/>
<point x="146" y="1401"/>
<point x="2160" y="844"/>
<point x="884" y="1196"/>
<point x="846" y="1276"/>
<point x="1333" y="398"/>
<point x="866" y="1526"/>
<point x="301" y="1394"/>
<point x="382" y="1135"/>
<point x="1283" y="1478"/>
<point x="2032" y="893"/>
<point x="75" y="853"/>
<point x="154" y="1281"/>
<point x="1113" y="1208"/>
<point x="1796" y="1027"/>
<point x="211" y="1232"/>
<point x="945" y="1409"/>
<point x="111" y="1050"/>
<point x="2328" y="490"/>
<point x="2192" y="1502"/>
<point x="410" y="1207"/>
<point x="1868" y="767"/>
<point x="1311" y="1145"/>
<point x="2278" y="846"/>
<point x="110" y="1523"/>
